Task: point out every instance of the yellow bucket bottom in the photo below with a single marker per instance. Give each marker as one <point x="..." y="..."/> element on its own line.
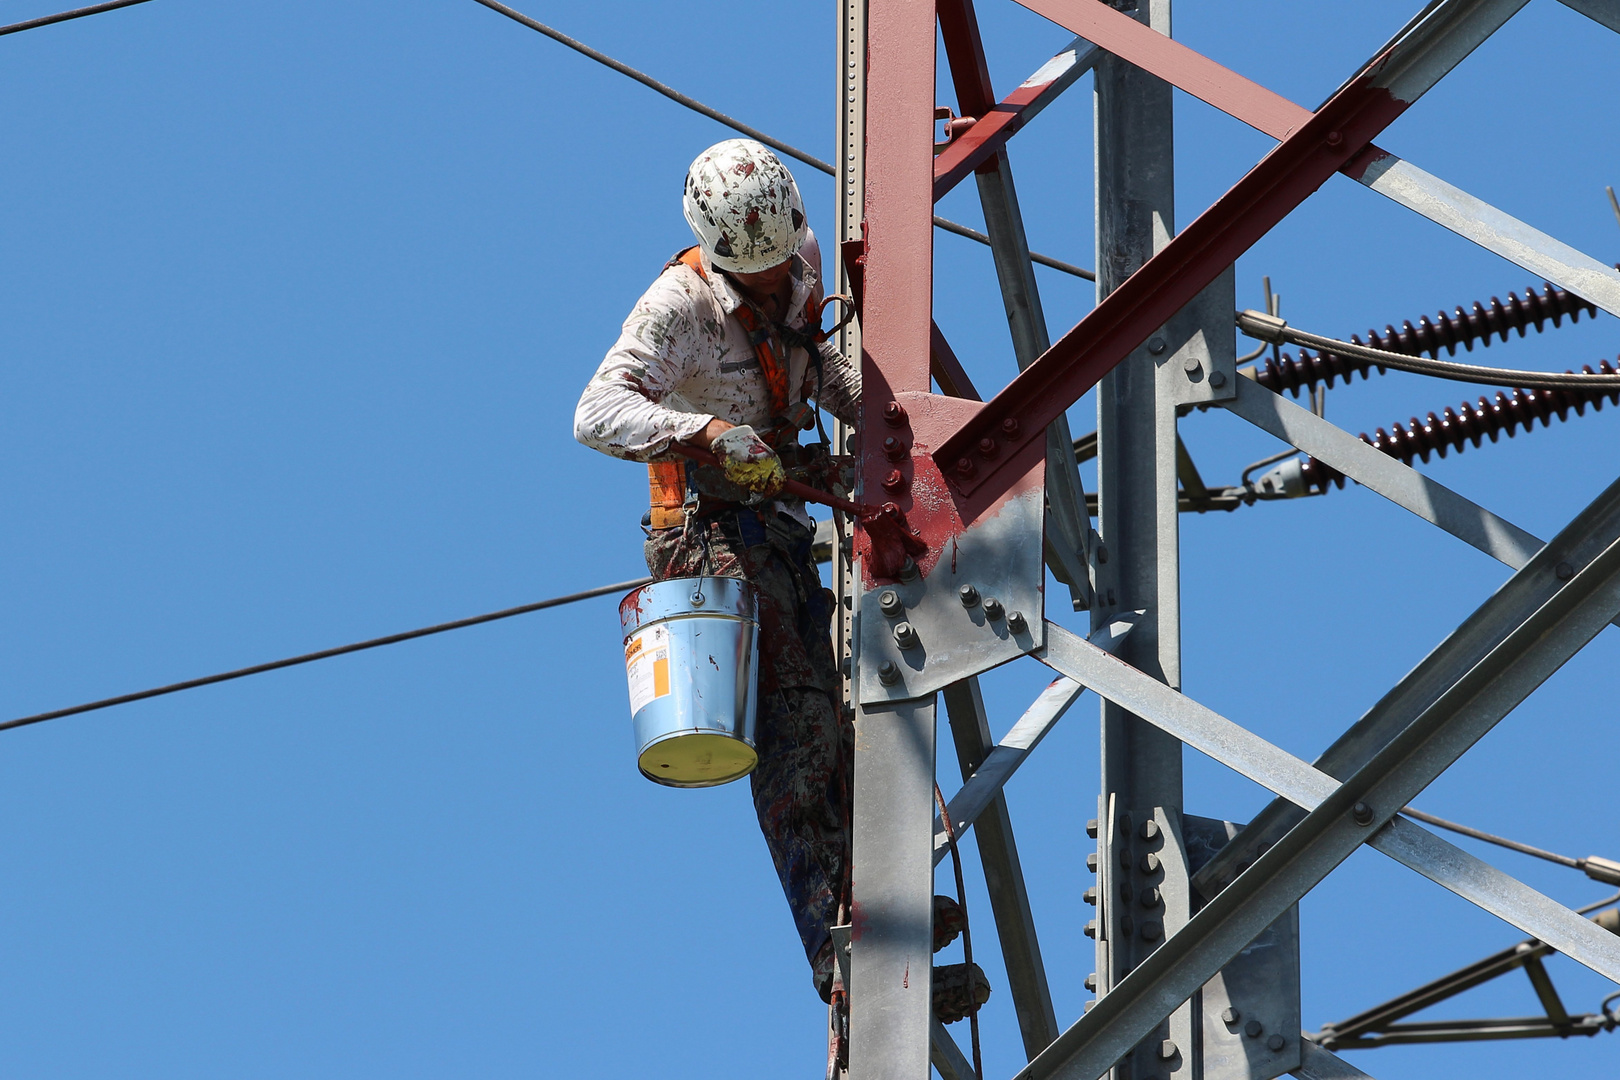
<point x="697" y="759"/>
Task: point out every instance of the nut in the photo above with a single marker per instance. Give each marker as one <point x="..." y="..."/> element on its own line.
<point x="1253" y="1029"/>
<point x="1009" y="427"/>
<point x="905" y="635"/>
<point x="895" y="482"/>
<point x="1230" y="1015"/>
<point x="894" y="414"/>
<point x="1090" y="896"/>
<point x="988" y="447"/>
<point x="894" y="449"/>
<point x="1156" y="345"/>
<point x="908" y="569"/>
<point x="964" y="467"/>
<point x="1150" y="829"/>
<point x="1149" y="897"/>
<point x="1217" y="379"/>
<point x="1361" y="814"/>
<point x="970" y="598"/>
<point x="1167" y="1050"/>
<point x="1276" y="1042"/>
<point x="1150" y="863"/>
<point x="1091" y="928"/>
<point x="1091" y="826"/>
<point x="1152" y="930"/>
<point x="888" y="673"/>
<point x="1016" y="622"/>
<point x="889" y="603"/>
<point x="1564" y="571"/>
<point x="992" y="608"/>
<point x="1091" y="862"/>
<point x="1091" y="981"/>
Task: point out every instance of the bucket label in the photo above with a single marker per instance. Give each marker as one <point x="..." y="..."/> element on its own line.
<point x="646" y="660"/>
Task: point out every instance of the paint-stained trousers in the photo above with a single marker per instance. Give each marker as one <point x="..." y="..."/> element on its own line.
<point x="806" y="745"/>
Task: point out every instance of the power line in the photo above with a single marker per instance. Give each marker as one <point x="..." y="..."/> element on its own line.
<point x="64" y="16"/>
<point x="737" y="125"/>
<point x="305" y="658"/>
<point x="1490" y="838"/>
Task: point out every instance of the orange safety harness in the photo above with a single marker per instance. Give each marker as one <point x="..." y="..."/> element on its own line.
<point x="667" y="480"/>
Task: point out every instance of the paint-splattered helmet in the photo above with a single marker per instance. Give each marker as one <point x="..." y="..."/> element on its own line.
<point x="743" y="206"/>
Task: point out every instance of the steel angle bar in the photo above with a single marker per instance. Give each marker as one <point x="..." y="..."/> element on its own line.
<point x="1320" y="1064"/>
<point x="1495" y="231"/>
<point x="1339" y="823"/>
<point x="1004" y="877"/>
<point x="1322" y="144"/>
<point x="998" y="123"/>
<point x="999" y="765"/>
<point x="1400" y="484"/>
<point x="1591" y="531"/>
<point x="946" y="1056"/>
<point x="1406" y="842"/>
<point x="1606" y="12"/>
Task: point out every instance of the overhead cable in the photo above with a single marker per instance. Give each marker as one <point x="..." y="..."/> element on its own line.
<point x="1596" y="868"/>
<point x="305" y="658"/>
<point x="719" y="117"/>
<point x="64" y="16"/>
<point x="1258" y="324"/>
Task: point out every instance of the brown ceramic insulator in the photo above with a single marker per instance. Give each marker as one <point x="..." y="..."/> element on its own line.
<point x="1487" y="418"/>
<point x="1463" y="327"/>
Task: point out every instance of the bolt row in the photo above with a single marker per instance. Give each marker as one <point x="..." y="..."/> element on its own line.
<point x="1481" y="324"/>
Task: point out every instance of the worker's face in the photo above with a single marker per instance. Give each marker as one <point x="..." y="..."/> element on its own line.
<point x="767" y="281"/>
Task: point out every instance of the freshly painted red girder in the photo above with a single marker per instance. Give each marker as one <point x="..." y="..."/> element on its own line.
<point x="943" y="365"/>
<point x="1332" y="139"/>
<point x="976" y="147"/>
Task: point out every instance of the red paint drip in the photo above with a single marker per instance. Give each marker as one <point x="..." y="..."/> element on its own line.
<point x="906" y="980"/>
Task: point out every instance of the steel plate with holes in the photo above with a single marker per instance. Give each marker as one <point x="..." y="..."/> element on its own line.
<point x="1254" y="1000"/>
<point x="1000" y="559"/>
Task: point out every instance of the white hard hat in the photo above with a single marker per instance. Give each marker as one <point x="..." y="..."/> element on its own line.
<point x="743" y="206"/>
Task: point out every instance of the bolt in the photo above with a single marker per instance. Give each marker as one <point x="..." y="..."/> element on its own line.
<point x="1192" y="365"/>
<point x="1230" y="1015"/>
<point x="888" y="673"/>
<point x="1090" y="896"/>
<point x="1150" y="897"/>
<point x="905" y="635"/>
<point x="1150" y="829"/>
<point x="1217" y="379"/>
<point x="908" y="569"/>
<point x="992" y="608"/>
<point x="894" y="414"/>
<point x="1156" y="345"/>
<point x="970" y="598"/>
<point x="894" y="449"/>
<point x="1009" y="427"/>
<point x="1016" y="622"/>
<point x="1167" y="1050"/>
<point x="1253" y="1029"/>
<point x="1150" y="863"/>
<point x="988" y="447"/>
<point x="889" y="603"/>
<point x="1091" y="928"/>
<point x="1091" y="981"/>
<point x="1334" y="138"/>
<point x="895" y="482"/>
<point x="1091" y="862"/>
<point x="1152" y="930"/>
<point x="1361" y="814"/>
<point x="1125" y="888"/>
<point x="1124" y="859"/>
<point x="1276" y="1042"/>
<point x="964" y="467"/>
<point x="1091" y="828"/>
<point x="1102" y="553"/>
<point x="1564" y="571"/>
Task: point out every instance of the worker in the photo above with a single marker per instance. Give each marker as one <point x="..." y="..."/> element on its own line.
<point x="720" y="353"/>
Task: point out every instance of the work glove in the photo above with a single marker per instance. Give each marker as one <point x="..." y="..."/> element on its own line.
<point x="748" y="462"/>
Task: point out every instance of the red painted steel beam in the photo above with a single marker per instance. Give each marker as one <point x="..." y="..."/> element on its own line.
<point x="964" y="51"/>
<point x="943" y="365"/>
<point x="980" y="143"/>
<point x="1176" y="64"/>
<point x="1338" y="136"/>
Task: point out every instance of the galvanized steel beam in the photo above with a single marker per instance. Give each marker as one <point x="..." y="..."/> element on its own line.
<point x="1003" y="876"/>
<point x="1337" y="136"/>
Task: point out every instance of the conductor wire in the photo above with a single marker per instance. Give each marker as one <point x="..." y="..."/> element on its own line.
<point x="305" y="658"/>
<point x="64" y="16"/>
<point x="719" y="117"/>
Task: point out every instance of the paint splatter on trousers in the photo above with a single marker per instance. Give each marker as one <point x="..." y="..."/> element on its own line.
<point x="805" y="743"/>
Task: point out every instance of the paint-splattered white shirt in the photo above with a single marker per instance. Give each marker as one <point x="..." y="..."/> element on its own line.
<point x="682" y="360"/>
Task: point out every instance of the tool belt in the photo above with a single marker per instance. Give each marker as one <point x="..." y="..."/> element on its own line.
<point x="678" y="485"/>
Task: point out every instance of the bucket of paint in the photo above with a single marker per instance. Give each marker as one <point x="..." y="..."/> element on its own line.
<point x="690" y="650"/>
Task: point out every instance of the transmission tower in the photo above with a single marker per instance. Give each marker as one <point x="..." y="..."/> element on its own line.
<point x="993" y="488"/>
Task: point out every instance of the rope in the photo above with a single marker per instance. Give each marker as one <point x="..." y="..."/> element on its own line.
<point x="1265" y="327"/>
<point x="64" y="16"/>
<point x="967" y="932"/>
<point x="305" y="658"/>
<point x="719" y="117"/>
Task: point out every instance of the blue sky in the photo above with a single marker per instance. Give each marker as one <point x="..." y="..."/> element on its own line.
<point x="297" y="300"/>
